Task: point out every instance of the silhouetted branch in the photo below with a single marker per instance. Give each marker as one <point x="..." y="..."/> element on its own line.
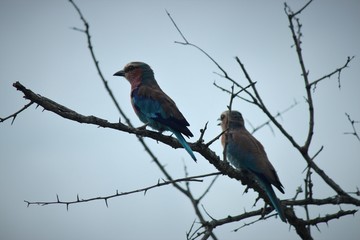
<point x="186" y="42"/>
<point x="279" y="114"/>
<point x="117" y="194"/>
<point x="338" y="71"/>
<point x="357" y="192"/>
<point x="227" y="91"/>
<point x="329" y="217"/>
<point x="352" y="122"/>
<point x="292" y="14"/>
<point x="215" y="138"/>
<point x="202" y="133"/>
<point x="253" y="222"/>
<point x="308" y="194"/>
<point x="304" y="72"/>
<point x="334" y="200"/>
<point x="229" y="219"/>
<point x="196" y="202"/>
<point x="14" y="115"/>
<point x="209" y="187"/>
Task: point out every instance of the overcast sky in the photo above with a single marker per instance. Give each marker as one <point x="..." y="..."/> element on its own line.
<point x="42" y="154"/>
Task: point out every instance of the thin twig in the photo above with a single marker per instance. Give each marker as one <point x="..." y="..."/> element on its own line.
<point x="14" y="115"/>
<point x="227" y="91"/>
<point x="279" y="114"/>
<point x="202" y="133"/>
<point x="215" y="138"/>
<point x="338" y="71"/>
<point x="186" y="42"/>
<point x="255" y="221"/>
<point x="308" y="195"/>
<point x="209" y="187"/>
<point x="290" y="12"/>
<point x="352" y="122"/>
<point x="305" y="75"/>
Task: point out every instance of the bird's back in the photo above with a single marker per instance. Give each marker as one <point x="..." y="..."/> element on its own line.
<point x="151" y="100"/>
<point x="246" y="152"/>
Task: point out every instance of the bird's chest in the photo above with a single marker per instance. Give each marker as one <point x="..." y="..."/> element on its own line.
<point x="137" y="106"/>
<point x="146" y="109"/>
<point x="238" y="154"/>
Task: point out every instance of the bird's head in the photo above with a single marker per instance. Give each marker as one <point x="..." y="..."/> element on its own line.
<point x="136" y="73"/>
<point x="231" y="120"/>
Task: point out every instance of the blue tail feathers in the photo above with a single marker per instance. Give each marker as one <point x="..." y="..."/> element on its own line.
<point x="273" y="199"/>
<point x="184" y="144"/>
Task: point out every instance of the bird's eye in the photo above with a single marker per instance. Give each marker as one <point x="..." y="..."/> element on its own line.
<point x="129" y="68"/>
<point x="222" y="116"/>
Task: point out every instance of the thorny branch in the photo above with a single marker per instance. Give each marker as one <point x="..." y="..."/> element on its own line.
<point x="14" y="115"/>
<point x="338" y="71"/>
<point x="352" y="122"/>
<point x="190" y="44"/>
<point x="118" y="194"/>
<point x="277" y="115"/>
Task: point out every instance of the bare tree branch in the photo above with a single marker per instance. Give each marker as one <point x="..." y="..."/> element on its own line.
<point x="352" y="122"/>
<point x="186" y="42"/>
<point x="304" y="71"/>
<point x="279" y="114"/>
<point x="117" y="194"/>
<point x="334" y="200"/>
<point x="227" y="91"/>
<point x="14" y="115"/>
<point x="290" y="12"/>
<point x="208" y="188"/>
<point x="330" y="217"/>
<point x="338" y="71"/>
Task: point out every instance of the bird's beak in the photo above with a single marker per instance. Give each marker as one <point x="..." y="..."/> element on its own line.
<point x="120" y="73"/>
<point x="219" y="122"/>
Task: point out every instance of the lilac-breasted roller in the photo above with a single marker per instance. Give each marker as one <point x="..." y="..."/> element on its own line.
<point x="152" y="105"/>
<point x="243" y="151"/>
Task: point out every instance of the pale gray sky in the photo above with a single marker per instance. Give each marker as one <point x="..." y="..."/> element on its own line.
<point x="42" y="154"/>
